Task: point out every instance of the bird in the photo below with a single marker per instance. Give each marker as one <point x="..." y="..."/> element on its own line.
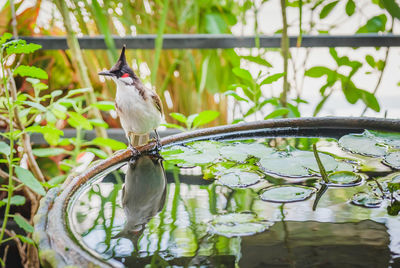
<point x="138" y="107"/>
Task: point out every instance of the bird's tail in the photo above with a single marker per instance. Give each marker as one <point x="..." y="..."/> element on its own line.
<point x="137" y="140"/>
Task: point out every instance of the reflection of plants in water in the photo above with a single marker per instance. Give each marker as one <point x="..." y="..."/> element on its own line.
<point x="107" y="205"/>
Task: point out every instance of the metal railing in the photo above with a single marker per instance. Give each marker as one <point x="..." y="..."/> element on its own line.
<point x="214" y="41"/>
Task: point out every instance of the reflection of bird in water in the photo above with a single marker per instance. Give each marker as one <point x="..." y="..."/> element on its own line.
<point x="143" y="194"/>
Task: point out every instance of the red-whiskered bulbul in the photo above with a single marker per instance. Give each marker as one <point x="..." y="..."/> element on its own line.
<point x="138" y="107"/>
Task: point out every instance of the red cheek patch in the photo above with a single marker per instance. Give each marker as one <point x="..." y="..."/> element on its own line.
<point x="125" y="75"/>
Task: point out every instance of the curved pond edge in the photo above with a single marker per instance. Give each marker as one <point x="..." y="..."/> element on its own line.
<point x="58" y="249"/>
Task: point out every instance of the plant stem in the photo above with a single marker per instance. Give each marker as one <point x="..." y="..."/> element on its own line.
<point x="10" y="189"/>
<point x="76" y="55"/>
<point x="285" y="55"/>
<point x="159" y="42"/>
<point x="320" y="166"/>
<point x="379" y="79"/>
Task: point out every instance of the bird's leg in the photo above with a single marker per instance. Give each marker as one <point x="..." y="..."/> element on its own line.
<point x="159" y="146"/>
<point x="130" y="146"/>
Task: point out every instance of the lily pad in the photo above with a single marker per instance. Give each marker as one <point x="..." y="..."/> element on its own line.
<point x="241" y="151"/>
<point x="238" y="224"/>
<point x="238" y="178"/>
<point x="296" y="163"/>
<point x="234" y="152"/>
<point x="286" y="193"/>
<point x="393" y="160"/>
<point x="344" y="178"/>
<point x="185" y="156"/>
<point x="368" y="200"/>
<point x="389" y="138"/>
<point x="363" y="144"/>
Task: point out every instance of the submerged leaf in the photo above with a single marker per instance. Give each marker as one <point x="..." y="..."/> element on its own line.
<point x="393" y="159"/>
<point x="238" y="224"/>
<point x="297" y="163"/>
<point x="238" y="178"/>
<point x="286" y="193"/>
<point x="368" y="200"/>
<point x="344" y="178"/>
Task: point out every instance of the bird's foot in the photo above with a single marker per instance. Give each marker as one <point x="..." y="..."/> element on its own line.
<point x="135" y="152"/>
<point x="157" y="146"/>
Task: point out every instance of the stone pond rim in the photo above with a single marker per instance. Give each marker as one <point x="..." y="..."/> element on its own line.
<point x="57" y="247"/>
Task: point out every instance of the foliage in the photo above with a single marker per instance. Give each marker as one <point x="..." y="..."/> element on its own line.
<point x="193" y="121"/>
<point x="44" y="112"/>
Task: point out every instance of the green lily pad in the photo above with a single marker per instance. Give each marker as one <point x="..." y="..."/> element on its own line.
<point x="185" y="156"/>
<point x="393" y="160"/>
<point x="389" y="138"/>
<point x="296" y="163"/>
<point x="344" y="178"/>
<point x="368" y="200"/>
<point x="238" y="224"/>
<point x="241" y="151"/>
<point x="286" y="193"/>
<point x="238" y="178"/>
<point x="363" y="144"/>
<point x="234" y="152"/>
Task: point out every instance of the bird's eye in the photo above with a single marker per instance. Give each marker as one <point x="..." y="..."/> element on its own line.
<point x="125" y="75"/>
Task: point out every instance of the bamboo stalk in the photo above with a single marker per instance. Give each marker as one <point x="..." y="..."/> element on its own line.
<point x="76" y="55"/>
<point x="285" y="54"/>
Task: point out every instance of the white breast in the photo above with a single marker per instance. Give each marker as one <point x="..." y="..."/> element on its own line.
<point x="136" y="114"/>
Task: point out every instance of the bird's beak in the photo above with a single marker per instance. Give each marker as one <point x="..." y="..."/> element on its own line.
<point x="106" y="73"/>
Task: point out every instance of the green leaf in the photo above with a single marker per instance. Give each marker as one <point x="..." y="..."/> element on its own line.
<point x="29" y="180"/>
<point x="24" y="224"/>
<point x="235" y="95"/>
<point x="50" y="133"/>
<point x="179" y="117"/>
<point x="294" y="110"/>
<point x="350" y="7"/>
<point x="113" y="144"/>
<point x="77" y="91"/>
<point x="205" y="117"/>
<point x="98" y="122"/>
<point x="276" y="113"/>
<point x="16" y="200"/>
<point x="169" y="125"/>
<point x="99" y="153"/>
<point x="4" y="148"/>
<point x="318" y="71"/>
<point x="190" y="120"/>
<point x="243" y="74"/>
<point x="20" y="46"/>
<point x="370" y="100"/>
<point x="56" y="93"/>
<point x="45" y="152"/>
<point x="30" y="71"/>
<point x="57" y="180"/>
<point x="104" y="105"/>
<point x="392" y="7"/>
<point x="35" y="105"/>
<point x="78" y="121"/>
<point x="215" y="24"/>
<point x="257" y="60"/>
<point x="374" y="25"/>
<point x="272" y="78"/>
<point x="4" y="38"/>
<point x="370" y="60"/>
<point x="326" y="10"/>
<point x="25" y="239"/>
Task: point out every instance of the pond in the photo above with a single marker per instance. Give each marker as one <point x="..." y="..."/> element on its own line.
<point x="252" y="201"/>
